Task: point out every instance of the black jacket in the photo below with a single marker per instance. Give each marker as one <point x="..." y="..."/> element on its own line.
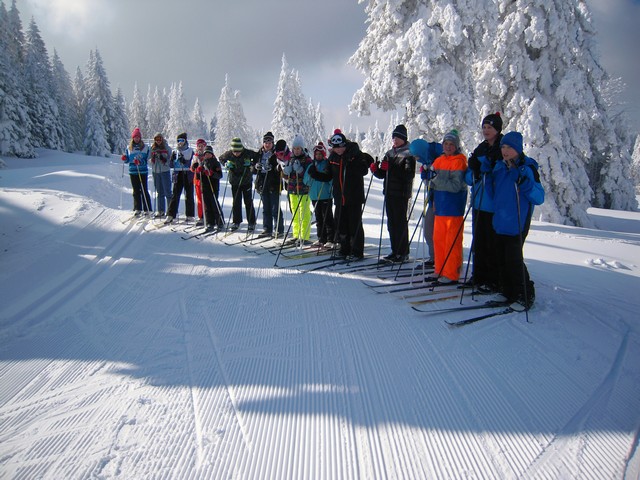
<point x="347" y="172"/>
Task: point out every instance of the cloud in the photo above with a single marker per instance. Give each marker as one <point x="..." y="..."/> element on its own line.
<point x="74" y="18"/>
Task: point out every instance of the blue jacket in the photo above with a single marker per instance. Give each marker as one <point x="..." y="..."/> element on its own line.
<point x="519" y="181"/>
<point x="481" y="200"/>
<point x="318" y="178"/>
<point x="138" y="152"/>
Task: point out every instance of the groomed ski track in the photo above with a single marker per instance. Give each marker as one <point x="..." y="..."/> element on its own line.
<point x="134" y="354"/>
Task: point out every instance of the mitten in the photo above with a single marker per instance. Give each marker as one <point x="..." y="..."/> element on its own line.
<point x="123" y="158"/>
<point x="373" y="167"/>
<point x="136" y="162"/>
<point x="384" y="165"/>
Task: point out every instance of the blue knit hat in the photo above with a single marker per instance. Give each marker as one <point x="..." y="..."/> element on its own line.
<point x="514" y="140"/>
<point x="454" y="137"/>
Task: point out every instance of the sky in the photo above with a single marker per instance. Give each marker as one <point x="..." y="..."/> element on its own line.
<point x="198" y="42"/>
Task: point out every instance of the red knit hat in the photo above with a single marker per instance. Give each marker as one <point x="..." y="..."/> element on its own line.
<point x="136" y="133"/>
<point x="320" y="148"/>
<point x="200" y="141"/>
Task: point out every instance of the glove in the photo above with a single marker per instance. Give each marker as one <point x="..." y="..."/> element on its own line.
<point x="136" y="162"/>
<point x="287" y="169"/>
<point x="231" y="165"/>
<point x="384" y="165"/>
<point x="485" y="165"/>
<point x="199" y="169"/>
<point x="431" y="174"/>
<point x="195" y="165"/>
<point x="298" y="167"/>
<point x="123" y="158"/>
<point x="181" y="158"/>
<point x="258" y="167"/>
<point x="373" y="167"/>
<point x="474" y="164"/>
<point x="423" y="173"/>
<point x="208" y="173"/>
<point x="247" y="163"/>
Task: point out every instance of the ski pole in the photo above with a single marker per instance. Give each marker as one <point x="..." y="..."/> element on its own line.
<point x="474" y="224"/>
<point x="524" y="271"/>
<point x="453" y="243"/>
<point x="286" y="234"/>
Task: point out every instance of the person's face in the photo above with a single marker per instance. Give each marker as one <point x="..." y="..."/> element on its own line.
<point x="200" y="147"/>
<point x="236" y="154"/>
<point x="136" y="139"/>
<point x="508" y="153"/>
<point x="318" y="156"/>
<point x="181" y="142"/>
<point x="158" y="140"/>
<point x="280" y="155"/>
<point x="208" y="155"/>
<point x="297" y="151"/>
<point x="339" y="150"/>
<point x="449" y="147"/>
<point x="397" y="142"/>
<point x="489" y="133"/>
<point x="268" y="145"/>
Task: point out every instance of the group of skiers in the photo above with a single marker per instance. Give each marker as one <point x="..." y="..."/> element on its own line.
<point x="505" y="186"/>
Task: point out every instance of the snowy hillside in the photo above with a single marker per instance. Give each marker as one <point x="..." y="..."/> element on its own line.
<point x="127" y="352"/>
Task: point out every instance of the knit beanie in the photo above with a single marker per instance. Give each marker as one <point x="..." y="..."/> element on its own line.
<point x="208" y="149"/>
<point x="454" y="137"/>
<point x="495" y="120"/>
<point x="281" y="145"/>
<point x="136" y="133"/>
<point x="320" y="148"/>
<point x="298" y="141"/>
<point x="158" y="135"/>
<point x="236" y="145"/>
<point x="268" y="137"/>
<point x="514" y="140"/>
<point x="182" y="136"/>
<point x="200" y="141"/>
<point x="338" y="139"/>
<point x="400" y="132"/>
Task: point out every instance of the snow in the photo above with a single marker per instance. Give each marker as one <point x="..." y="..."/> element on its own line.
<point x="127" y="353"/>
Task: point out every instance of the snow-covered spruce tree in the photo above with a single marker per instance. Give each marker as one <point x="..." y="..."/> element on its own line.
<point x="15" y="125"/>
<point x="213" y="126"/>
<point x="137" y="112"/>
<point x="417" y="55"/>
<point x="95" y="135"/>
<point x="231" y="121"/>
<point x="120" y="126"/>
<point x="318" y="124"/>
<point x="373" y="142"/>
<point x="157" y="106"/>
<point x="178" y="121"/>
<point x="198" y="125"/>
<point x="81" y="103"/>
<point x="66" y="100"/>
<point x="98" y="92"/>
<point x="543" y="70"/>
<point x="635" y="168"/>
<point x="46" y="128"/>
<point x="290" y="111"/>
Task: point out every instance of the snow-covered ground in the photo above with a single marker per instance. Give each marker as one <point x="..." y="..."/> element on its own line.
<point x="134" y="354"/>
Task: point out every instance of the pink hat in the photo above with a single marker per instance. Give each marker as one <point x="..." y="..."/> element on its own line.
<point x="201" y="141"/>
<point x="136" y="133"/>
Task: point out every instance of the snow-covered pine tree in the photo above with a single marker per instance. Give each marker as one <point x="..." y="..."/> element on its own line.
<point x="66" y="100"/>
<point x="81" y="102"/>
<point x="178" y="121"/>
<point x="290" y="112"/>
<point x="95" y="135"/>
<point x="120" y="125"/>
<point x="46" y="128"/>
<point x="373" y="142"/>
<point x="416" y="55"/>
<point x="15" y="125"/>
<point x="318" y="123"/>
<point x="543" y="69"/>
<point x="213" y="126"/>
<point x="635" y="169"/>
<point x="198" y="125"/>
<point x="98" y="92"/>
<point x="157" y="106"/>
<point x="137" y="112"/>
<point x="231" y="121"/>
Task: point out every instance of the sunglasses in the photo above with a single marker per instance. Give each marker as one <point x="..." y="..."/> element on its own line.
<point x="181" y="140"/>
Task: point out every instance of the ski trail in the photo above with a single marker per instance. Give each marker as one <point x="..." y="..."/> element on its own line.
<point x="563" y="443"/>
